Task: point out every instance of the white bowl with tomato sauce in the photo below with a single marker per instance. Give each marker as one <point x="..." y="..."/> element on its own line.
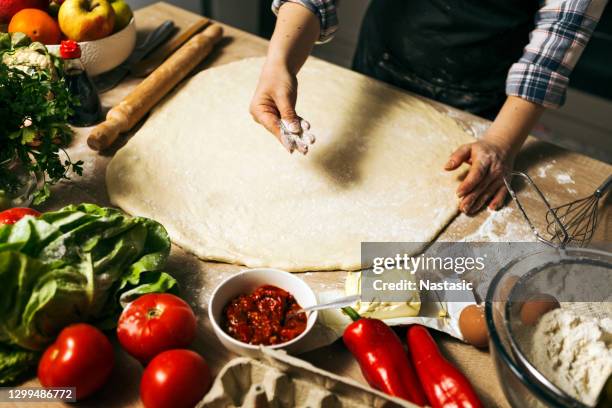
<point x="245" y="283"/>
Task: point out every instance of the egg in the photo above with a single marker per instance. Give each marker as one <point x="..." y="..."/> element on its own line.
<point x="473" y="326"/>
<point x="537" y="306"/>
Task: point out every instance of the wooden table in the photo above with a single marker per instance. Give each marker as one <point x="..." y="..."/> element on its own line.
<point x="197" y="277"/>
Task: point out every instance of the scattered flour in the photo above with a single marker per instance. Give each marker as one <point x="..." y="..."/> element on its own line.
<point x="542" y="170"/>
<point x="499" y="228"/>
<point x="572" y="191"/>
<point x="564" y="178"/>
<point x="476" y="128"/>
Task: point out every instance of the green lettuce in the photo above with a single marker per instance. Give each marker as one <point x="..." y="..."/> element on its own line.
<point x="79" y="264"/>
<point x="15" y="363"/>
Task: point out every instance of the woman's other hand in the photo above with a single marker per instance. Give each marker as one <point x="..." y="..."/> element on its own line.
<point x="492" y="157"/>
<point x="484" y="183"/>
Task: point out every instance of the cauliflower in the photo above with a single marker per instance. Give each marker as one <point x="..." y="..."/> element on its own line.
<point x="31" y="58"/>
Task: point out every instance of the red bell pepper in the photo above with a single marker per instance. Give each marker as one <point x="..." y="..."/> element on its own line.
<point x="382" y="358"/>
<point x="13" y="215"/>
<point x="445" y="386"/>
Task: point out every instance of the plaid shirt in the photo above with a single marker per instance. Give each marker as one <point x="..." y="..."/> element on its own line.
<point x="541" y="75"/>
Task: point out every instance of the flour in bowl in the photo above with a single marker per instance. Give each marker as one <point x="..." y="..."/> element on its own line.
<point x="574" y="352"/>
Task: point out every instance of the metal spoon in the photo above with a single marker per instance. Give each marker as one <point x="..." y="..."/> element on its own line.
<point x="335" y="304"/>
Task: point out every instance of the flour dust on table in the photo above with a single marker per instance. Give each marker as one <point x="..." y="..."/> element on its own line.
<point x="228" y="191"/>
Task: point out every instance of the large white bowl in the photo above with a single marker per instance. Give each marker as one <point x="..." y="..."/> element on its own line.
<point x="102" y="55"/>
<point x="246" y="282"/>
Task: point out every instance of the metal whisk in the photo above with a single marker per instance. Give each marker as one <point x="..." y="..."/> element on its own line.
<point x="579" y="217"/>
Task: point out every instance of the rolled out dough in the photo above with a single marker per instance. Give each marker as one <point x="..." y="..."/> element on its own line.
<point x="227" y="190"/>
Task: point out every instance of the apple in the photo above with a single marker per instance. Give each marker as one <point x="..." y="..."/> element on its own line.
<point x="86" y="20"/>
<point x="123" y="14"/>
<point x="8" y="8"/>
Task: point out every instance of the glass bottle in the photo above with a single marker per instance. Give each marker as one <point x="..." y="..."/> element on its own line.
<point x="18" y="185"/>
<point x="88" y="111"/>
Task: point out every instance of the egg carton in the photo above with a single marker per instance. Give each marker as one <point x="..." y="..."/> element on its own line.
<point x="277" y="380"/>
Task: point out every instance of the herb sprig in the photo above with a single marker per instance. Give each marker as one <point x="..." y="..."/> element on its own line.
<point x="34" y="110"/>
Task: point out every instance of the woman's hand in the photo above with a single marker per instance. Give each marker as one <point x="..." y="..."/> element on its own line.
<point x="484" y="183"/>
<point x="296" y="31"/>
<point x="492" y="157"/>
<point x="274" y="100"/>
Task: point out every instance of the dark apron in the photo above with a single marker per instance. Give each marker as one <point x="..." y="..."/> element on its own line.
<point x="455" y="51"/>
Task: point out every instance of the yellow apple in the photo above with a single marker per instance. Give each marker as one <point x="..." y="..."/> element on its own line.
<point x="86" y="20"/>
<point x="123" y="14"/>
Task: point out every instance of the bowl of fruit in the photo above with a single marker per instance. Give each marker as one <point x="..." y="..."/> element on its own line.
<point x="105" y="29"/>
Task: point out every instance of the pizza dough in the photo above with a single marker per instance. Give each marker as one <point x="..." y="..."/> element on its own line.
<point x="227" y="190"/>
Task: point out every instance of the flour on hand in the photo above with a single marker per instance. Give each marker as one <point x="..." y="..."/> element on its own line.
<point x="296" y="137"/>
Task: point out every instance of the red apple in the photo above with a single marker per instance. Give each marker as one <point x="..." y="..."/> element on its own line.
<point x="8" y="8"/>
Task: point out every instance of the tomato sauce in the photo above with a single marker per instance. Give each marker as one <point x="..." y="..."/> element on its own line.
<point x="262" y="317"/>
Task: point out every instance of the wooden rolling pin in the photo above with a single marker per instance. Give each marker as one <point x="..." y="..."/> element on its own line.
<point x="143" y="68"/>
<point x="152" y="89"/>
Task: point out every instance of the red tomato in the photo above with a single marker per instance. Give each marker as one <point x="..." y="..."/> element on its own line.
<point x="175" y="379"/>
<point x="81" y="357"/>
<point x="154" y="323"/>
<point x="13" y="215"/>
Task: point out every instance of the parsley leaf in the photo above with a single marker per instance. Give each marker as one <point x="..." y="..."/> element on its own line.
<point x="34" y="110"/>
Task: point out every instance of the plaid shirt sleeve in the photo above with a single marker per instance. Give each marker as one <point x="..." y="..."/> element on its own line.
<point x="562" y="30"/>
<point x="325" y="10"/>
